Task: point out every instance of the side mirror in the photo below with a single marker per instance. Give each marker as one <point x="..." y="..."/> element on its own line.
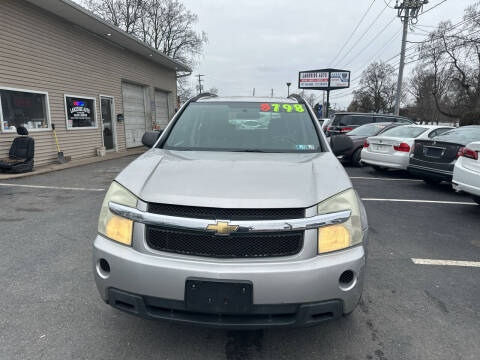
<point x="341" y="144"/>
<point x="150" y="138"/>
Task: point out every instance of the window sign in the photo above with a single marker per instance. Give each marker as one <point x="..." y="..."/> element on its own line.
<point x="80" y="112"/>
<point x="23" y="108"/>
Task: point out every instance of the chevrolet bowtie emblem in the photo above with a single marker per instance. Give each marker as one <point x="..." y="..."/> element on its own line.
<point x="222" y="228"/>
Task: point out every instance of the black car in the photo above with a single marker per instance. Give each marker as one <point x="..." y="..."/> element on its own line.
<point x="433" y="160"/>
<point x="345" y="122"/>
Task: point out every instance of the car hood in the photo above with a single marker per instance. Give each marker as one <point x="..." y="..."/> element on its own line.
<point x="234" y="180"/>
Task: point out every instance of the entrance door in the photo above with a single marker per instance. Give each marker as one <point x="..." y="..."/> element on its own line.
<point x="107" y="121"/>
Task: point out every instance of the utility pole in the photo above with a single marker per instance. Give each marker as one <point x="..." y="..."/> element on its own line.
<point x="288" y="88"/>
<point x="199" y="76"/>
<point x="253" y="91"/>
<point x="407" y="12"/>
<point x="271" y="94"/>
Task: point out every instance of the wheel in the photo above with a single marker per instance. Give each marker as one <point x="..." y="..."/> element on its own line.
<point x="378" y="168"/>
<point x="431" y="181"/>
<point x="476" y="199"/>
<point x="356" y="158"/>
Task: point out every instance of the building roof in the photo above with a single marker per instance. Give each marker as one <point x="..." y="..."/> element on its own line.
<point x="87" y="20"/>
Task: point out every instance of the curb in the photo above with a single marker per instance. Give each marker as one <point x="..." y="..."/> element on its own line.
<point x="74" y="163"/>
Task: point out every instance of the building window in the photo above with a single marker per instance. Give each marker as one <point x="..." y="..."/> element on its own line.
<point x="23" y="108"/>
<point x="80" y="112"/>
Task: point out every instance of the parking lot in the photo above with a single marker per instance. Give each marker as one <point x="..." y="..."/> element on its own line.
<point x="50" y="307"/>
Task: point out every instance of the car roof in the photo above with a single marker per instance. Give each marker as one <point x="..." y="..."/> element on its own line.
<point x="429" y="126"/>
<point x="250" y="99"/>
<point x="370" y="114"/>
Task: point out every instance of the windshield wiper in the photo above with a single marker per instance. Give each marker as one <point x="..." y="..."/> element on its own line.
<point x="250" y="150"/>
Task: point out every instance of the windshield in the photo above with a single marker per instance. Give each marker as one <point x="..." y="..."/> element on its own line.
<point x="239" y="126"/>
<point x="367" y="130"/>
<point x="405" y="131"/>
<point x="463" y="135"/>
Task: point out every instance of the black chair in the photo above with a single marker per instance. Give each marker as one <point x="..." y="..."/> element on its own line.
<point x="20" y="156"/>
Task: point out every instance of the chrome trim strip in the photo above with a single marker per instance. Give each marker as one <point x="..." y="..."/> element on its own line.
<point x="243" y="226"/>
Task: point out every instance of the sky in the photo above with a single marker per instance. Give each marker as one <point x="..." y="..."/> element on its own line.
<point x="264" y="44"/>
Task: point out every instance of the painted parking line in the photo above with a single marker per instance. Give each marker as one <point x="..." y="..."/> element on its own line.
<point x="383" y="179"/>
<point x="49" y="187"/>
<point x="423" y="201"/>
<point x="446" y="262"/>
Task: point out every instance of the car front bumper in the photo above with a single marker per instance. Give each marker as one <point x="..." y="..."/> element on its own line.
<point x="285" y="293"/>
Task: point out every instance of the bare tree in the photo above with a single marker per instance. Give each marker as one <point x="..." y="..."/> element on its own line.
<point x="166" y="25"/>
<point x="122" y="13"/>
<point x="377" y="89"/>
<point x="213" y="90"/>
<point x="452" y="55"/>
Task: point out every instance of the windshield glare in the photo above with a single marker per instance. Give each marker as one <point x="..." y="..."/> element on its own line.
<point x="239" y="126"/>
<point x="367" y="130"/>
<point x="464" y="135"/>
<point x="405" y="131"/>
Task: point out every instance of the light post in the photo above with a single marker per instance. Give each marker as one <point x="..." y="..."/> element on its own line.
<point x="288" y="88"/>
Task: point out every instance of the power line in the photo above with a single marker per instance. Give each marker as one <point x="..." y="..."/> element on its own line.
<point x="353" y="32"/>
<point x="433" y="7"/>
<point x="367" y="30"/>
<point x="371" y="42"/>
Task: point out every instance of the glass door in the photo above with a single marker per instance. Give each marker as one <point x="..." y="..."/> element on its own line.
<point x="107" y="121"/>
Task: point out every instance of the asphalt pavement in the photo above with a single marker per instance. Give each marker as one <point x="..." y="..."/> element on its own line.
<point x="50" y="307"/>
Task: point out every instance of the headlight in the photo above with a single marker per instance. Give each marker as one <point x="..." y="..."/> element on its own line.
<point x="340" y="236"/>
<point x="113" y="226"/>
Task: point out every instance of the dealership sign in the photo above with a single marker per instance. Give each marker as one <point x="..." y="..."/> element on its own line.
<point x="325" y="79"/>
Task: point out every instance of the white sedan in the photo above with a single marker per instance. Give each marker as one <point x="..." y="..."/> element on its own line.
<point x="392" y="148"/>
<point x="466" y="174"/>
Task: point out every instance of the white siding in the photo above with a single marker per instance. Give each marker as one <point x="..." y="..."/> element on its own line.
<point x="40" y="51"/>
<point x="161" y="109"/>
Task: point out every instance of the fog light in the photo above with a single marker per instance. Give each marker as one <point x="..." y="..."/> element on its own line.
<point x="347" y="280"/>
<point x="331" y="238"/>
<point x="103" y="268"/>
<point x="120" y="229"/>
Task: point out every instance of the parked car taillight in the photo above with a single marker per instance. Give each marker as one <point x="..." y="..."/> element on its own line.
<point x="366" y="144"/>
<point x="402" y="147"/>
<point x="460" y="152"/>
<point x="346" y="129"/>
<point x="469" y="153"/>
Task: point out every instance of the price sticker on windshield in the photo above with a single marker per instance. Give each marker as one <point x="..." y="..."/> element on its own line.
<point x="282" y="108"/>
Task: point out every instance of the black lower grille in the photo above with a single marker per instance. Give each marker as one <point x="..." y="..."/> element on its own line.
<point x="223" y="214"/>
<point x="236" y="245"/>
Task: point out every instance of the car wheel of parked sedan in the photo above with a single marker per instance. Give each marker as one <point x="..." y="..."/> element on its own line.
<point x="356" y="158"/>
<point x="431" y="181"/>
<point x="476" y="199"/>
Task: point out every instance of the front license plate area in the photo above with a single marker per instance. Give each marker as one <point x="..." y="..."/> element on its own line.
<point x="223" y="296"/>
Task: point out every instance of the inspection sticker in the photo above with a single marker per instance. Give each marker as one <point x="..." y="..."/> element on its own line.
<point x="305" y="147"/>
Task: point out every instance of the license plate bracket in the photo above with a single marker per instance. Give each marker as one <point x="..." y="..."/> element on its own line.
<point x="218" y="296"/>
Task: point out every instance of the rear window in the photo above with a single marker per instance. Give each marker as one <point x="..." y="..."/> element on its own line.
<point x="357" y="120"/>
<point x="240" y="126"/>
<point x="462" y="135"/>
<point x="405" y="131"/>
<point x="367" y="130"/>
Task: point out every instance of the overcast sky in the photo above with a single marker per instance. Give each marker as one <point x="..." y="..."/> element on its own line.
<point x="263" y="44"/>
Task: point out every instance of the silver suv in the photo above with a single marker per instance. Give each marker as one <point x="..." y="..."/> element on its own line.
<point x="230" y="225"/>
